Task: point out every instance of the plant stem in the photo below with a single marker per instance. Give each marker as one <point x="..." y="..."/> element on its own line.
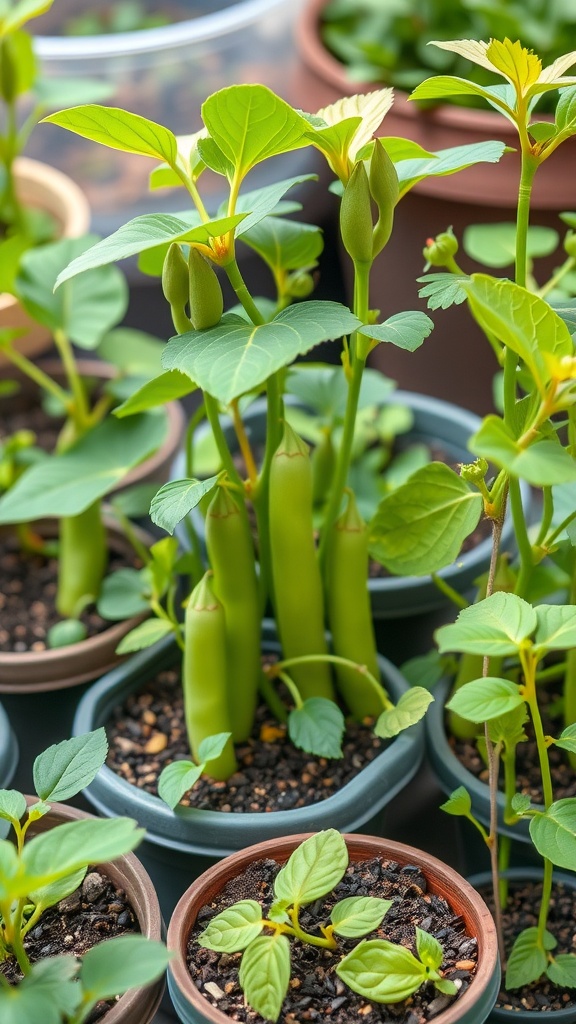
<point x="33" y="372"/>
<point x="80" y="411"/>
<point x="237" y="281"/>
<point x="243" y="442"/>
<point x="334" y="659"/>
<point x="449" y="591"/>
<point x="570" y="678"/>
<point x="213" y="415"/>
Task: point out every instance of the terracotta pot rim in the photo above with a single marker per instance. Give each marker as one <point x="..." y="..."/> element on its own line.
<point x="439" y="876"/>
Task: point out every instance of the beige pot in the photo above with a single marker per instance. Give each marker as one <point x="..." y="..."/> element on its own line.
<point x="54" y="192"/>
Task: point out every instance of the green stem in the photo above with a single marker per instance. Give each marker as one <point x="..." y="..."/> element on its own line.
<point x="334" y="659"/>
<point x="17" y="946"/>
<point x="556" y="671"/>
<point x="213" y="415"/>
<point x="529" y="168"/>
<point x="521" y="537"/>
<point x="193" y="423"/>
<point x="261" y="491"/>
<point x="504" y="852"/>
<point x="271" y="698"/>
<point x="237" y="281"/>
<point x="313" y="940"/>
<point x="570" y="678"/>
<point x="560" y="529"/>
<point x="33" y="372"/>
<point x="80" y="412"/>
<point x="292" y="688"/>
<point x="547" y="513"/>
<point x="545" y="903"/>
<point x="566" y="268"/>
<point x="449" y="591"/>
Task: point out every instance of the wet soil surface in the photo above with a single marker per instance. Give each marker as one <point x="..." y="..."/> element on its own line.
<point x="148" y="731"/>
<point x="97" y="910"/>
<point x="315" y="991"/>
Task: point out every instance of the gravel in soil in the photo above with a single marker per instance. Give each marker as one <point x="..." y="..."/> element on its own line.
<point x="148" y="731"/>
<point x="315" y="991"/>
<point x="97" y="910"/>
<point x="522" y="912"/>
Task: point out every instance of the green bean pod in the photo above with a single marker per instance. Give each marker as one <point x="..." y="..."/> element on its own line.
<point x="82" y="560"/>
<point x="297" y="584"/>
<point x="231" y="554"/>
<point x="323" y="467"/>
<point x="204" y="675"/>
<point x="349" y="611"/>
<point x="206" y="299"/>
<point x="356" y="216"/>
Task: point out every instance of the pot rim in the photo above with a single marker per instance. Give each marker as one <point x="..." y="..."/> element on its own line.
<point x="441" y="879"/>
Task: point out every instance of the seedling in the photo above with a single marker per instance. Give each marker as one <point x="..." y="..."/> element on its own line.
<point x="376" y="968"/>
<point x="37" y="873"/>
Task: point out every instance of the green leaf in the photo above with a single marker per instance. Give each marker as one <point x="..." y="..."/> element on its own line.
<point x="123" y="595"/>
<point x="565" y="113"/>
<point x="528" y="960"/>
<point x="554" y="833"/>
<point x="85" y="308"/>
<point x="285" y="244"/>
<point x="212" y="746"/>
<point x="562" y="970"/>
<point x="520" y="803"/>
<point x="317" y="727"/>
<point x="404" y="330"/>
<point x="441" y="87"/>
<point x="134" y="502"/>
<point x="49" y="895"/>
<point x="235" y="357"/>
<point x="128" y="961"/>
<point x="144" y="635"/>
<point x="12" y="805"/>
<point x="49" y="992"/>
<point x="19" y="13"/>
<point x="22" y="67"/>
<point x="495" y="626"/>
<point x="53" y="93"/>
<point x="447" y="161"/>
<point x="260" y="202"/>
<point x="176" y="499"/>
<point x="424" y="669"/>
<point x="442" y="290"/>
<point x="567" y="739"/>
<point x="485" y="698"/>
<point x="314" y="868"/>
<point x="381" y="971"/>
<point x="8" y="868"/>
<point x="135" y="353"/>
<point x="420" y="527"/>
<point x="233" y="929"/>
<point x="265" y="974"/>
<point x="411" y="707"/>
<point x="357" y="915"/>
<point x="429" y="949"/>
<point x="249" y="123"/>
<point x="543" y="464"/>
<point x="509" y="728"/>
<point x="118" y="129"/>
<point x="556" y="629"/>
<point x="65" y="768"/>
<point x="495" y="244"/>
<point x="458" y="803"/>
<point x="176" y="779"/>
<point x="168" y="387"/>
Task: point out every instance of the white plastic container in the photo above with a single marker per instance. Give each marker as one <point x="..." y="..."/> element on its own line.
<point x="164" y="74"/>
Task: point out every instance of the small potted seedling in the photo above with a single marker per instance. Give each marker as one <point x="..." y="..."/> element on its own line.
<point x="44" y="864"/>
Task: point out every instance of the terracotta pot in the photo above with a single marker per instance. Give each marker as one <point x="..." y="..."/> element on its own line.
<point x="137" y="1006"/>
<point x="472" y="1008"/>
<point x="54" y="192"/>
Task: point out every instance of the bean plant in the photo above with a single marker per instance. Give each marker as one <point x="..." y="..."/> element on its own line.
<point x="311" y="564"/>
<point x="376" y="968"/>
<point x="38" y="872"/>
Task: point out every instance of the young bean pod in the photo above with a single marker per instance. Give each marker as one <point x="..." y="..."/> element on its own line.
<point x="349" y="611"/>
<point x="297" y="583"/>
<point x="204" y="675"/>
<point x="206" y="299"/>
<point x="231" y="555"/>
<point x="83" y="556"/>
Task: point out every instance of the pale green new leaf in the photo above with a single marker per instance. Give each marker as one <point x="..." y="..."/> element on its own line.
<point x="19" y="13"/>
<point x="370" y="108"/>
<point x="404" y="330"/>
<point x="234" y="928"/>
<point x="265" y="974"/>
<point x="285" y="244"/>
<point x="259" y="203"/>
<point x="212" y="746"/>
<point x="458" y="803"/>
<point x="495" y="626"/>
<point x="420" y="527"/>
<point x="176" y="499"/>
<point x="46" y="994"/>
<point x="8" y="868"/>
<point x="544" y="463"/>
<point x="567" y="739"/>
<point x="528" y="959"/>
<point x="495" y="244"/>
<point x="357" y="915"/>
<point x="556" y="629"/>
<point x="168" y="387"/>
<point x="447" y="161"/>
<point x="124" y="593"/>
<point x="65" y="768"/>
<point x="441" y="87"/>
<point x="554" y="833"/>
<point x="144" y="635"/>
<point x="429" y="949"/>
<point x="128" y="961"/>
<point x="520" y="803"/>
<point x="119" y="129"/>
<point x="12" y="805"/>
<point x="49" y="895"/>
<point x="314" y="868"/>
<point x="176" y="779"/>
<point x="317" y="727"/>
<point x="442" y="290"/>
<point x="485" y="698"/>
<point x="379" y="970"/>
<point x="411" y="707"/>
<point x="562" y="970"/>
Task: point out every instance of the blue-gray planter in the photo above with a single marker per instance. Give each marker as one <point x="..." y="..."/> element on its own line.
<point x="8" y="750"/>
<point x="437" y="423"/>
<point x="180" y="845"/>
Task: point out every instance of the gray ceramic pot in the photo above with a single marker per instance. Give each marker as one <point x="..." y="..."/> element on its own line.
<point x="179" y="846"/>
<point x="8" y="750"/>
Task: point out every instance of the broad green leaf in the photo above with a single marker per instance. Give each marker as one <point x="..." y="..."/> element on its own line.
<point x="554" y="833"/>
<point x="495" y="626"/>
<point x="49" y="992"/>
<point x="49" y="895"/>
<point x="212" y="746"/>
<point x="63" y="850"/>
<point x="495" y="244"/>
<point x="65" y="768"/>
<point x="381" y="971"/>
<point x="85" y="308"/>
<point x="369" y="108"/>
<point x="22" y="69"/>
<point x="176" y="779"/>
<point x="442" y="290"/>
<point x="520" y="803"/>
<point x="429" y="949"/>
<point x="168" y="387"/>
<point x="567" y="739"/>
<point x="485" y="698"/>
<point x="8" y="868"/>
<point x="424" y="669"/>
<point x="134" y="502"/>
<point x="285" y="244"/>
<point x="357" y="915"/>
<point x="411" y="707"/>
<point x="19" y="13"/>
<point x="458" y="803"/>
<point x="53" y="93"/>
<point x="67" y="484"/>
<point x="123" y="594"/>
<point x="250" y="123"/>
<point x="233" y="929"/>
<point x="336" y="142"/>
<point x="235" y="357"/>
<point x="128" y="961"/>
<point x="12" y="805"/>
<point x="324" y="389"/>
<point x="509" y="729"/>
<point x="176" y="499"/>
<point x="144" y="635"/>
<point x="317" y="727"/>
<point x="314" y="868"/>
<point x="404" y="330"/>
<point x="135" y="353"/>
<point x="421" y="526"/>
<point x="441" y="87"/>
<point x="562" y="970"/>
<point x="258" y="203"/>
<point x="447" y="161"/>
<point x="565" y="114"/>
<point x="528" y="959"/>
<point x="265" y="974"/>
<point x="556" y="629"/>
<point x="543" y="464"/>
<point x="118" y="129"/>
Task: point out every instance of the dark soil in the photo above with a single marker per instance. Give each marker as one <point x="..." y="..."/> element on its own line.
<point x="27" y="594"/>
<point x="315" y="991"/>
<point x="97" y="910"/>
<point x="522" y="912"/>
<point x="33" y="417"/>
<point x="148" y="731"/>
